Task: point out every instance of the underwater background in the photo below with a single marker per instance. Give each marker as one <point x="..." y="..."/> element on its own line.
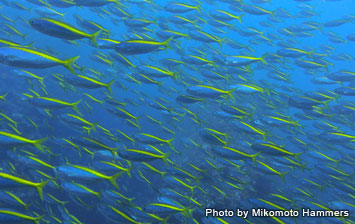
<point x="152" y="111"/>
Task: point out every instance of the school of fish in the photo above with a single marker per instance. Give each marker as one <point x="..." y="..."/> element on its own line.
<point x="151" y="111"/>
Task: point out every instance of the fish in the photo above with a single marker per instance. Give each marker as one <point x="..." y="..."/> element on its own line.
<point x="88" y="82"/>
<point x="225" y="16"/>
<point x="151" y="139"/>
<point x="269" y="170"/>
<point x="12" y="140"/>
<point x="26" y="58"/>
<point x="132" y="47"/>
<point x="240" y="60"/>
<point x="181" y="8"/>
<point x="94" y="3"/>
<point x="232" y="153"/>
<point x="143" y="111"/>
<point x="9" y="181"/>
<point x="86" y="174"/>
<point x="138" y="155"/>
<point x="275" y="150"/>
<point x="205" y="37"/>
<point x="14" y="216"/>
<point x="208" y="91"/>
<point x="52" y="103"/>
<point x="61" y="30"/>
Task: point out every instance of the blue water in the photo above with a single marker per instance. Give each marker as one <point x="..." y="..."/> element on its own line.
<point x="260" y="133"/>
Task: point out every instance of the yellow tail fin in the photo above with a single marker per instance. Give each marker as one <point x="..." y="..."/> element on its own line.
<point x="3" y="97"/>
<point x="169" y="143"/>
<point x="296" y="155"/>
<point x="167" y="42"/>
<point x="198" y="8"/>
<point x="38" y="219"/>
<point x="108" y="86"/>
<point x="229" y="93"/>
<point x="93" y="37"/>
<point x="39" y="188"/>
<point x="75" y="107"/>
<point x="240" y="17"/>
<point x="69" y="62"/>
<point x="282" y="175"/>
<point x="113" y="178"/>
<point x="37" y="143"/>
<point x="254" y="156"/>
<point x="262" y="59"/>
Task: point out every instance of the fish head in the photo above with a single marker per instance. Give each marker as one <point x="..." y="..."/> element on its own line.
<point x="37" y="23"/>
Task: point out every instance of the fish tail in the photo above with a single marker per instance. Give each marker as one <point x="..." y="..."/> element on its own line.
<point x="297" y="124"/>
<point x="41" y="81"/>
<point x="253" y="157"/>
<point x="212" y="63"/>
<point x="194" y="24"/>
<point x="192" y="189"/>
<point x="155" y="21"/>
<point x="302" y="166"/>
<point x="108" y="86"/>
<point x="98" y="195"/>
<point x="130" y="200"/>
<point x="93" y="126"/>
<point x="69" y="62"/>
<point x="296" y="155"/>
<point x="113" y="152"/>
<point x="163" y="174"/>
<point x="265" y="134"/>
<point x="198" y="7"/>
<point x="169" y="143"/>
<point x="240" y="17"/>
<point x="337" y="162"/>
<point x="136" y="119"/>
<point x="167" y="42"/>
<point x="267" y="90"/>
<point x="164" y="220"/>
<point x="187" y="212"/>
<point x="75" y="107"/>
<point x="113" y="178"/>
<point x="326" y="103"/>
<point x="3" y="97"/>
<point x="93" y="37"/>
<point x="29" y="45"/>
<point x="197" y="180"/>
<point x="322" y="187"/>
<point x="39" y="188"/>
<point x="282" y="175"/>
<point x="88" y="130"/>
<point x="175" y="76"/>
<point x="262" y="59"/>
<point x="229" y="93"/>
<point x="164" y="158"/>
<point x="37" y="143"/>
<point x="310" y="54"/>
<point x="27" y="205"/>
<point x="132" y="140"/>
<point x="159" y="84"/>
<point x="38" y="219"/>
<point x="128" y="171"/>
